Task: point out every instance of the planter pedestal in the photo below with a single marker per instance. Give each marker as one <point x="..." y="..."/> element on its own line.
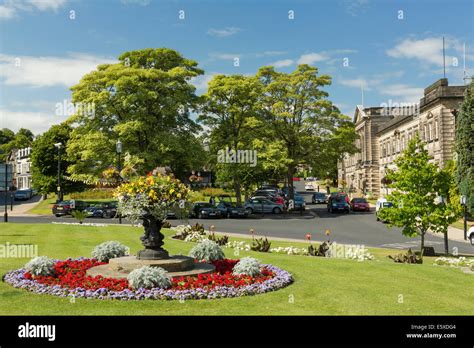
<point x="175" y="265"/>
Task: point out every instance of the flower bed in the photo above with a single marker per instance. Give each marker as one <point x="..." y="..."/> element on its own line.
<point x="70" y="279"/>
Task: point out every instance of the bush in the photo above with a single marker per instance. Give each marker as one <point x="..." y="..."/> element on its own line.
<point x="222" y="241"/>
<point x="93" y="194"/>
<point x="409" y="257"/>
<point x="261" y="245"/>
<point x="79" y="215"/>
<point x="149" y="277"/>
<point x="109" y="250"/>
<point x="40" y="266"/>
<point x="183" y="231"/>
<point x="166" y="224"/>
<point x="208" y="251"/>
<point x="247" y="266"/>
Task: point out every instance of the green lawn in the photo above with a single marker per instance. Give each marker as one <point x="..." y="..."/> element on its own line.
<point x="323" y="286"/>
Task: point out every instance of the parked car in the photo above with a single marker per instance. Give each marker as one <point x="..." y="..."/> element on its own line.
<point x="381" y="203"/>
<point x="338" y="203"/>
<point x="231" y="209"/>
<point x="299" y="202"/>
<point x="274" y="197"/>
<point x="262" y="205"/>
<point x="110" y="209"/>
<point x="94" y="211"/>
<point x="309" y="187"/>
<point x="319" y="198"/>
<point x="23" y="195"/>
<point x="470" y="234"/>
<point x="360" y="204"/>
<point x="67" y="207"/>
<point x="203" y="210"/>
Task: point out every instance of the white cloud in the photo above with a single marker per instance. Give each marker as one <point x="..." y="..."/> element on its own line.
<point x="271" y="53"/>
<point x="357" y="83"/>
<point x="7" y="12"/>
<point x="11" y="8"/>
<point x="37" y="122"/>
<point x="428" y="50"/>
<point x="225" y="56"/>
<point x="403" y="93"/>
<point x="200" y="82"/>
<point x="228" y="31"/>
<point x="47" y="71"/>
<point x="312" y="58"/>
<point x="356" y="7"/>
<point x="45" y="5"/>
<point x="282" y="63"/>
<point x="136" y="2"/>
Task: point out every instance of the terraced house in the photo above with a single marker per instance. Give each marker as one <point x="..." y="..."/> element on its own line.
<point x="384" y="133"/>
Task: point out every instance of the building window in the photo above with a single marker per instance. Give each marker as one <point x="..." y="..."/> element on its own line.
<point x="435" y="131"/>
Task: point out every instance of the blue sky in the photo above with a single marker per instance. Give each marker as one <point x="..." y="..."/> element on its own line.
<point x="392" y="54"/>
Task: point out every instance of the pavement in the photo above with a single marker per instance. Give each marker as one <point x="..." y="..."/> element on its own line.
<point x="20" y="208"/>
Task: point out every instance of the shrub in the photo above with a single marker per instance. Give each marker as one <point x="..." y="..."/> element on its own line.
<point x="195" y="236"/>
<point x="208" y="251"/>
<point x="262" y="245"/>
<point x="93" y="194"/>
<point x="109" y="250"/>
<point x="79" y="215"/>
<point x="222" y="241"/>
<point x="409" y="257"/>
<point x="248" y="266"/>
<point x="40" y="266"/>
<point x="166" y="224"/>
<point x="149" y="277"/>
<point x="183" y="231"/>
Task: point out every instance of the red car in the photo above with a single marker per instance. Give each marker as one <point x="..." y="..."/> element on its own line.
<point x="360" y="204"/>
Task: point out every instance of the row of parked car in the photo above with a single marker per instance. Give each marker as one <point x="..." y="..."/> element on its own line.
<point x="96" y="210"/>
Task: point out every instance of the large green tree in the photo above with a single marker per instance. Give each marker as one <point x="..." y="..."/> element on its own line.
<point x="302" y="119"/>
<point x="421" y="194"/>
<point x="230" y="108"/>
<point x="10" y="140"/>
<point x="465" y="147"/>
<point x="44" y="161"/>
<point x="145" y="100"/>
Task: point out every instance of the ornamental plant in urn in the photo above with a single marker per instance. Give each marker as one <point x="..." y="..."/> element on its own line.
<point x="149" y="199"/>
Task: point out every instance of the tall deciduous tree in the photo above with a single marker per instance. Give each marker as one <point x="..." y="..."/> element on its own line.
<point x="420" y="195"/>
<point x="296" y="108"/>
<point x="144" y="100"/>
<point x="44" y="161"/>
<point x="231" y="104"/>
<point x="10" y="140"/>
<point x="465" y="148"/>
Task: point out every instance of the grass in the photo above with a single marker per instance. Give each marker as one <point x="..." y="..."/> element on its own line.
<point x="323" y="286"/>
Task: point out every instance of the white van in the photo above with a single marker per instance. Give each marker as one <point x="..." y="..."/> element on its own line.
<point x="380" y="204"/>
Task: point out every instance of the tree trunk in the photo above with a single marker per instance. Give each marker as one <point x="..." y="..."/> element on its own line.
<point x="446" y="246"/>
<point x="291" y="192"/>
<point x="238" y="193"/>
<point x="422" y="247"/>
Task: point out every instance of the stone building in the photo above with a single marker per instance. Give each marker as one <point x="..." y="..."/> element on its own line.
<point x="384" y="133"/>
<point x="22" y="169"/>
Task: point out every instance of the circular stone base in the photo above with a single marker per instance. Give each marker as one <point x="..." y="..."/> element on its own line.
<point x="176" y="266"/>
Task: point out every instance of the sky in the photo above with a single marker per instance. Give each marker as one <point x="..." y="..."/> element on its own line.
<point x="390" y="49"/>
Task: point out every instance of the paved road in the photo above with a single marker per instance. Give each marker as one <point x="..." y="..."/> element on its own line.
<point x="354" y="228"/>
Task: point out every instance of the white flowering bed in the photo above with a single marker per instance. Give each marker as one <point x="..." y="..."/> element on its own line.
<point x="455" y="262"/>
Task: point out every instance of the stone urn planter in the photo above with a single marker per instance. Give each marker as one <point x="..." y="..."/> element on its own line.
<point x="152" y="240"/>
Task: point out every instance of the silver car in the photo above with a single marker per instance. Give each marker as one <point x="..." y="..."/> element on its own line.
<point x="262" y="205"/>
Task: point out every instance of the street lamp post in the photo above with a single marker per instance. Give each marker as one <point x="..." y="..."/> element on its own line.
<point x="5" y="215"/>
<point x="464" y="204"/>
<point x="118" y="148"/>
<point x="59" y="191"/>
